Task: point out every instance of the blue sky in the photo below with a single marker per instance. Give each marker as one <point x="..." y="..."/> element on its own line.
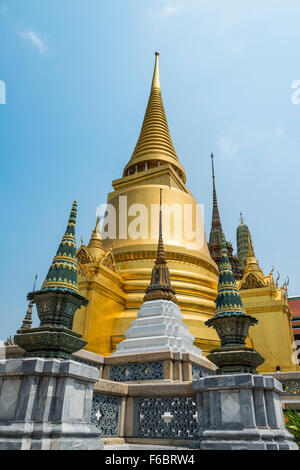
<point x="77" y="77"/>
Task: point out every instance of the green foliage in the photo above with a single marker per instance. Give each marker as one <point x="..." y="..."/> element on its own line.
<point x="292" y="423"/>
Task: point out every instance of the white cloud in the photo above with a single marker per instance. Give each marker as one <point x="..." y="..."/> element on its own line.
<point x="169" y="10"/>
<point x="228" y="147"/>
<point x="35" y="40"/>
<point x="279" y="131"/>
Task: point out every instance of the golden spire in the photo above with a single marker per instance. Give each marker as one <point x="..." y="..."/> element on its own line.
<point x="252" y="263"/>
<point x="154" y="144"/>
<point x="155" y="80"/>
<point x="250" y="248"/>
<point x="95" y="245"/>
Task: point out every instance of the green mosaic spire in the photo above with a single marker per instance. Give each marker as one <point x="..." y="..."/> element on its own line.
<point x="62" y="275"/>
<point x="231" y="323"/>
<point x="242" y="234"/>
<point x="228" y="301"/>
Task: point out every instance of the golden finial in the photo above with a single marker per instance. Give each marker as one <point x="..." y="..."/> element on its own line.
<point x="98" y="219"/>
<point x="250" y="247"/>
<point x="212" y="165"/>
<point x="156" y="81"/>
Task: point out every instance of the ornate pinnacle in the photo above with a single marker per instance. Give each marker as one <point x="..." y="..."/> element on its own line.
<point x="216" y="226"/>
<point x="27" y="322"/>
<point x="156" y="80"/>
<point x="62" y="274"/>
<point x="250" y="248"/>
<point x="160" y="286"/>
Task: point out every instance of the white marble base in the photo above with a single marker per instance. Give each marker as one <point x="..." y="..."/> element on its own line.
<point x="159" y="327"/>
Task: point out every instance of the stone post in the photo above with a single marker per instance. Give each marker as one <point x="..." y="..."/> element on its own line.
<point x="240" y="412"/>
<point x="45" y="404"/>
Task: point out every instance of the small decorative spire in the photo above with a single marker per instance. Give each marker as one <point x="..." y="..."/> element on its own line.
<point x="160" y="285"/>
<point x="231" y="323"/>
<point x="216" y="226"/>
<point x="252" y="267"/>
<point x="27" y="322"/>
<point x="250" y="247"/>
<point x="242" y="234"/>
<point x="228" y="301"/>
<point x="62" y="274"/>
<point x="95" y="245"/>
<point x="56" y="303"/>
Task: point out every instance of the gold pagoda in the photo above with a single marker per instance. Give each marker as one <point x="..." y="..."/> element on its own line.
<point x="115" y="271"/>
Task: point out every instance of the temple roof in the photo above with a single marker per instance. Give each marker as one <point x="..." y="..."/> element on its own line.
<point x="155" y="142"/>
<point x="62" y="274"/>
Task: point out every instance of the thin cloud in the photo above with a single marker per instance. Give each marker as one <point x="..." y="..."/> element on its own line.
<point x="35" y="40"/>
<point x="170" y="10"/>
<point x="228" y="147"/>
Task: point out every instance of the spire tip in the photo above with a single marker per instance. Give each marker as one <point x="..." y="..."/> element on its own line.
<point x="156" y="80"/>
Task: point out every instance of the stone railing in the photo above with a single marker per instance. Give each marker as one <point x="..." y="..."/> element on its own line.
<point x="291" y="387"/>
<point x="153" y="367"/>
<point x="153" y="413"/>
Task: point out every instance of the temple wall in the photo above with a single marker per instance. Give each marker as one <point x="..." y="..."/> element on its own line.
<point x="272" y="336"/>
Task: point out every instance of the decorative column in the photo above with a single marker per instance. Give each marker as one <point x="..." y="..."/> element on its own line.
<point x="231" y="324"/>
<point x="46" y="397"/>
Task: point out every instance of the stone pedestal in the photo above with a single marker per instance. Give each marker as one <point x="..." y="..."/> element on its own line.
<point x="159" y="327"/>
<point x="46" y="404"/>
<point x="240" y="412"/>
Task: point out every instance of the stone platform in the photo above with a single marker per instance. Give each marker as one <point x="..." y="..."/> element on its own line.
<point x="46" y="404"/>
<point x="241" y="412"/>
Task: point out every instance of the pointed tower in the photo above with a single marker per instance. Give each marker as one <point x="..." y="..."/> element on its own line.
<point x="160" y="285"/>
<point x="62" y="274"/>
<point x="232" y="324"/>
<point x="253" y="277"/>
<point x="159" y="325"/>
<point x="95" y="246"/>
<point x="242" y="234"/>
<point x="27" y="322"/>
<point x="56" y="304"/>
<point x="154" y="146"/>
<point x="216" y="226"/>
<point x="215" y="244"/>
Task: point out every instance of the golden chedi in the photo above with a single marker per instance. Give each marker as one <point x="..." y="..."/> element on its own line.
<point x="115" y="267"/>
<point x="115" y="283"/>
